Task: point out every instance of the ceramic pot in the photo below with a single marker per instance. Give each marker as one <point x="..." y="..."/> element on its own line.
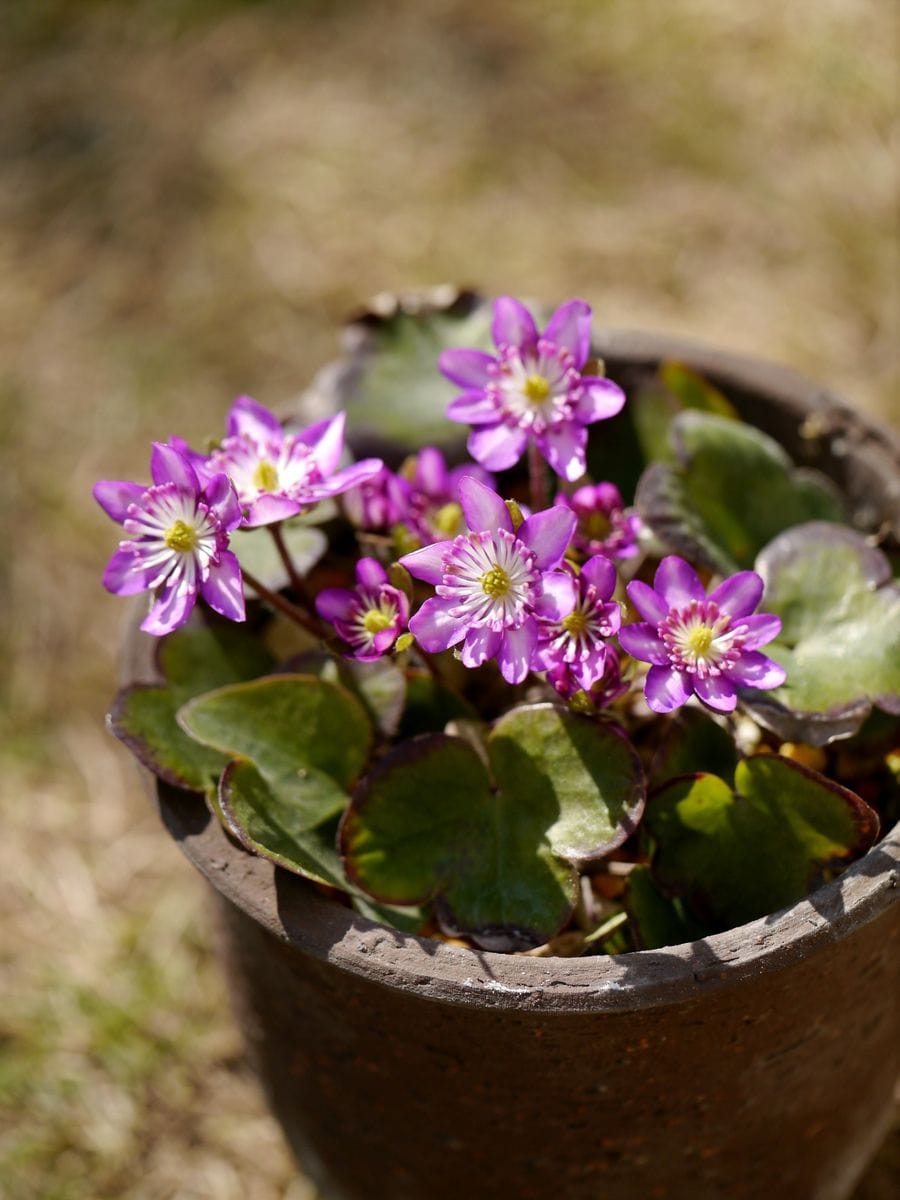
<point x="756" y="1063"/>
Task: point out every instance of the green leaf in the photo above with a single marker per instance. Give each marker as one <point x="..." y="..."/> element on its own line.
<point x="656" y="920"/>
<point x="495" y="844"/>
<point x="656" y="405"/>
<point x="284" y="723"/>
<point x="258" y="554"/>
<point x="390" y="386"/>
<point x="300" y="743"/>
<point x="840" y="635"/>
<point x="736" y="855"/>
<point x="692" y="742"/>
<point x="380" y="685"/>
<point x="430" y="706"/>
<point x="731" y="490"/>
<point x="285" y="823"/>
<point x="202" y="655"/>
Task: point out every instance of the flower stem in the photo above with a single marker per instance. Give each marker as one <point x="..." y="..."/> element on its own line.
<point x="298" y="586"/>
<point x="291" y="611"/>
<point x="537" y="478"/>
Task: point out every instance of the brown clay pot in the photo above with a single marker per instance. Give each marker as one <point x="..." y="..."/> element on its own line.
<point x="758" y="1063"/>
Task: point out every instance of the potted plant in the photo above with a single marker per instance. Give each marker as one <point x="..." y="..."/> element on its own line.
<point x="542" y="786"/>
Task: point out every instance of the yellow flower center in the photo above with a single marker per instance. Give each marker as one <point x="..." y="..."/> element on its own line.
<point x="375" y="620"/>
<point x="575" y="623"/>
<point x="495" y="583"/>
<point x="265" y="477"/>
<point x="448" y="519"/>
<point x="597" y="526"/>
<point x="536" y="389"/>
<point x="180" y="536"/>
<point x="698" y="641"/>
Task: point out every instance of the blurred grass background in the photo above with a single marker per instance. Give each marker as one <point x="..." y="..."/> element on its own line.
<point x="192" y="196"/>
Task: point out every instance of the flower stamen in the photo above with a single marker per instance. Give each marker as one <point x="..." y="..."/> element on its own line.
<point x="495" y="582"/>
<point x="181" y="537"/>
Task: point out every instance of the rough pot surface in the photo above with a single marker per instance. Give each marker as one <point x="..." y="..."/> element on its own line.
<point x="756" y="1063"/>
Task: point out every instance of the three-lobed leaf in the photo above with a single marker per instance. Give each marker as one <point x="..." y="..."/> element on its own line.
<point x="494" y="834"/>
<point x="202" y="655"/>
<point x="734" y="855"/>
<point x="730" y="491"/>
<point x="297" y="744"/>
<point x="394" y="395"/>
<point x="840" y="635"/>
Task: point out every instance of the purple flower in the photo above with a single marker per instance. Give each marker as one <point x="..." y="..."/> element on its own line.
<point x="379" y="502"/>
<point x="606" y="688"/>
<point x="488" y="581"/>
<point x="604" y="527"/>
<point x="531" y="389"/>
<point x="576" y="616"/>
<point x="278" y="474"/>
<point x="433" y="506"/>
<point x="178" y="537"/>
<point x="697" y="644"/>
<point x="372" y="616"/>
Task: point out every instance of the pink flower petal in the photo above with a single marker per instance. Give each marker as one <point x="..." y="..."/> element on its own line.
<point x="466" y="368"/>
<point x="258" y="423"/>
<point x="168" y="465"/>
<point x="434" y="628"/>
<point x="335" y="604"/>
<point x="548" y="534"/>
<point x="739" y="595"/>
<point x="174" y="606"/>
<point x="677" y="582"/>
<point x="601" y="574"/>
<point x="517" y="649"/>
<point x="643" y="642"/>
<point x="716" y="691"/>
<point x="223" y="588"/>
<point x="761" y="628"/>
<point x="666" y="688"/>
<point x="124" y="575"/>
<point x="327" y="443"/>
<point x="482" y="507"/>
<point x="473" y="408"/>
<point x="349" y="477"/>
<point x="497" y="447"/>
<point x="479" y="646"/>
<point x="563" y="446"/>
<point x="370" y="573"/>
<point x="648" y="603"/>
<point x="222" y="499"/>
<point x="570" y="327"/>
<point x="115" y="495"/>
<point x="427" y="563"/>
<point x="270" y="508"/>
<point x="601" y="399"/>
<point x="513" y="324"/>
<point x="756" y="670"/>
<point x="558" y="596"/>
<point x="431" y="474"/>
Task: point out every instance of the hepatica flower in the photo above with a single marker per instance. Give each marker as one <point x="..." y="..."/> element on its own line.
<point x="433" y="505"/>
<point x="532" y="389"/>
<point x="604" y="526"/>
<point x="372" y="616"/>
<point x="577" y="615"/>
<point x="488" y="581"/>
<point x="177" y="542"/>
<point x="278" y="474"/>
<point x="697" y="644"/>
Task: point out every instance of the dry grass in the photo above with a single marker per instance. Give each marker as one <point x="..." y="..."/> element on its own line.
<point x="191" y="196"/>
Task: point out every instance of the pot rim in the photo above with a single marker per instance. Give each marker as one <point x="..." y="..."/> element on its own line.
<point x="295" y="912"/>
